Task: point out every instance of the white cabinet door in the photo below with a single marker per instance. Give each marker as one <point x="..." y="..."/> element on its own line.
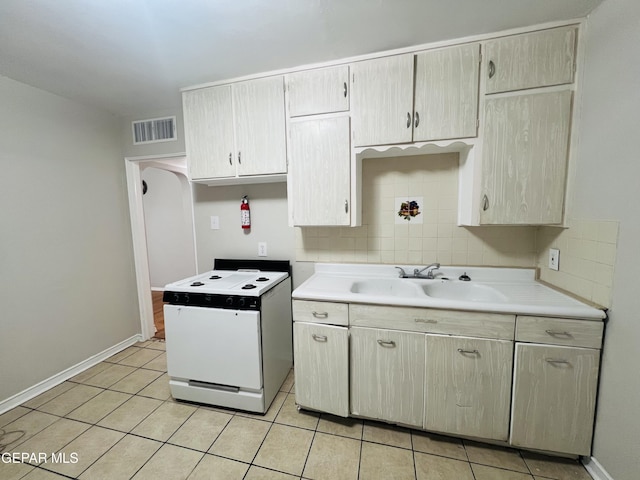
<point x="468" y="386"/>
<point x="321" y="90"/>
<point x="387" y="375"/>
<point x="524" y="158"/>
<point x="530" y="60"/>
<point x="260" y="126"/>
<point x="554" y="397"/>
<point x="321" y="365"/>
<point x="208" y="127"/>
<point x="446" y="94"/>
<point x="319" y="171"/>
<point x="382" y="93"/>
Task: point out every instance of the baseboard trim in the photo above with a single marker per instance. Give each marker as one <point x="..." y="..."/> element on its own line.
<point x="43" y="386"/>
<point x="596" y="470"/>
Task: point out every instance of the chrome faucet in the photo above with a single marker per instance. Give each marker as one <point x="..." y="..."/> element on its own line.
<point x="429" y="268"/>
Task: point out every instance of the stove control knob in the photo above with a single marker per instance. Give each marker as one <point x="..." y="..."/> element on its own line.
<point x="242" y="302"/>
<point x="229" y="301"/>
<point x="186" y="298"/>
<point x="176" y="297"/>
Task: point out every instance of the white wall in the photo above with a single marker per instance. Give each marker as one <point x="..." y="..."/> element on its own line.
<point x="606" y="183"/>
<point x="169" y="226"/>
<point x="67" y="281"/>
<point x="268" y="224"/>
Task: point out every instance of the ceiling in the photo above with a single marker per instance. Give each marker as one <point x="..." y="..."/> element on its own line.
<point x="131" y="57"/>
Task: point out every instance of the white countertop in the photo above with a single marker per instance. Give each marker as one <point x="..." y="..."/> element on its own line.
<point x="519" y="292"/>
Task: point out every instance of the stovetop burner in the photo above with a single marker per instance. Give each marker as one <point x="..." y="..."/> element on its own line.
<point x="262" y="279"/>
<point x="248" y="286"/>
<point x="197" y="284"/>
<point x="215" y="277"/>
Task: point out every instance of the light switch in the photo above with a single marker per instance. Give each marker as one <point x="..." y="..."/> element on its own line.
<point x="262" y="249"/>
<point x="215" y="223"/>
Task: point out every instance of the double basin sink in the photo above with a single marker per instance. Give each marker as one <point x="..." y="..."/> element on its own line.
<point x="436" y="288"/>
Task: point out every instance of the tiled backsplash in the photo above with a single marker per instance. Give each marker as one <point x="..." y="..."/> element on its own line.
<point x="437" y="239"/>
<point x="587" y="257"/>
<point x="587" y="248"/>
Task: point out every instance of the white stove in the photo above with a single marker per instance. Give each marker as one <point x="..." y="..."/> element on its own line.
<point x="228" y="334"/>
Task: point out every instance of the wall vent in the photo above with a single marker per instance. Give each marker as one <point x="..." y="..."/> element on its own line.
<point x="154" y="130"/>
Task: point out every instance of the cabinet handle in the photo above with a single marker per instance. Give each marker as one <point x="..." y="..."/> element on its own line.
<point x="416" y="120"/>
<point x="319" y="338"/>
<point x="555" y="333"/>
<point x="345" y="89"/>
<point x="240" y="157"/>
<point x="424" y="320"/>
<point x="230" y="156"/>
<point x="485" y="203"/>
<point x="492" y="69"/>
<point x="557" y="361"/>
<point x="387" y="343"/>
<point x="346" y="206"/>
<point x="320" y="314"/>
<point x="408" y="120"/>
<point x="468" y="352"/>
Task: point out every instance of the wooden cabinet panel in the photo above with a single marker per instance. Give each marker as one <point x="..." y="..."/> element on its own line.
<point x="382" y="93"/>
<point x="208" y="128"/>
<point x="554" y="397"/>
<point x="524" y="158"/>
<point x="448" y="322"/>
<point x="321" y="90"/>
<point x="468" y="386"/>
<point x="320" y="312"/>
<point x="387" y="375"/>
<point x="559" y="331"/>
<point x="319" y="172"/>
<point x="446" y="93"/>
<point x="530" y="60"/>
<point x="322" y="367"/>
<point x="260" y="126"/>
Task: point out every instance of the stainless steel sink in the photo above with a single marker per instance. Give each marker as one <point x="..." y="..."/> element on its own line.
<point x="463" y="291"/>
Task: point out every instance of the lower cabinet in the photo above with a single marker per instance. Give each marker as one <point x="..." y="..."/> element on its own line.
<point x="321" y="366"/>
<point x="387" y="375"/>
<point x="554" y="397"/>
<point x="468" y="386"/>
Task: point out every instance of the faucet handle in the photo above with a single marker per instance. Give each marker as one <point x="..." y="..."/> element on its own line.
<point x="402" y="274"/>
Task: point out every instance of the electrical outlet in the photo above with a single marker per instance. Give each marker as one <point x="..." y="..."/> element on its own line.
<point x="554" y="259"/>
<point x="215" y="223"/>
<point x="262" y="249"/>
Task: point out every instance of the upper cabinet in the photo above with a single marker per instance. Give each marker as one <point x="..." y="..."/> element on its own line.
<point x="530" y="60"/>
<point x="524" y="158"/>
<point x="236" y="130"/>
<point x="445" y="104"/>
<point x="322" y="90"/>
<point x="319" y="181"/>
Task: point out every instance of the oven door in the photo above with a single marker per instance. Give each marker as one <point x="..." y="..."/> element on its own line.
<point x="213" y="345"/>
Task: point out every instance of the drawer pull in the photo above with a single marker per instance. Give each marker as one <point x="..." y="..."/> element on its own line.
<point x="556" y="333"/>
<point x="468" y="352"/>
<point x="320" y="314"/>
<point x="319" y="338"/>
<point x="557" y="361"/>
<point x="387" y="343"/>
<point x="424" y="320"/>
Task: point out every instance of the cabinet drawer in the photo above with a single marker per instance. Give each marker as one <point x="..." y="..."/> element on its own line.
<point x="559" y="331"/>
<point x="320" y="312"/>
<point x="446" y="322"/>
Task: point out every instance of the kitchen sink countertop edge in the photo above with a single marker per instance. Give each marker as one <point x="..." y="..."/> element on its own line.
<point x="517" y="290"/>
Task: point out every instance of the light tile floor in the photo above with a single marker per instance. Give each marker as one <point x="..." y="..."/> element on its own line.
<point x="117" y="420"/>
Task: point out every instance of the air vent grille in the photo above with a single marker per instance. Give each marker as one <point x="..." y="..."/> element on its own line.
<point x="154" y="130"/>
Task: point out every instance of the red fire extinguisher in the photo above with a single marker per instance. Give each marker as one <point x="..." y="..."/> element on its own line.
<point x="245" y="213"/>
